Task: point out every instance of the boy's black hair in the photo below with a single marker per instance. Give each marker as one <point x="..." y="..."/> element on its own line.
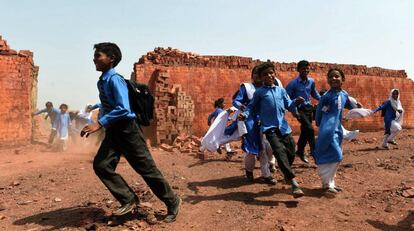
<point x="110" y="49"/>
<point x="264" y="66"/>
<point x="301" y="64"/>
<point x="218" y="102"/>
<point x="338" y="70"/>
<point x="49" y="103"/>
<point x="63" y="105"/>
<point x="254" y="70"/>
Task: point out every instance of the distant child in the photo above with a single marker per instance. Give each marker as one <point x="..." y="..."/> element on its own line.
<point x="123" y="136"/>
<point x="219" y="105"/>
<point x="51" y="113"/>
<point x="62" y="125"/>
<point x="393" y="111"/>
<point x="328" y="147"/>
<point x="270" y="103"/>
<point x="304" y="86"/>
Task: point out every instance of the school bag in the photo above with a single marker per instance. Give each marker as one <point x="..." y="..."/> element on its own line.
<point x="141" y="101"/>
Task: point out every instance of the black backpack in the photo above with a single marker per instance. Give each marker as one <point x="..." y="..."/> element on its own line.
<point x="141" y="102"/>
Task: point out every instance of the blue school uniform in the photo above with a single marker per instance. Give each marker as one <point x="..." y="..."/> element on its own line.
<point x="252" y="140"/>
<point x="213" y="115"/>
<point x="270" y="104"/>
<point x="390" y="115"/>
<point x="328" y="148"/>
<point x="62" y="124"/>
<point x="297" y="87"/>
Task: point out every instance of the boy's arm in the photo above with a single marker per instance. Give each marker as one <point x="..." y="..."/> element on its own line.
<point x="119" y="90"/>
<point x="96" y="106"/>
<point x="289" y="104"/>
<point x="240" y="97"/>
<point x="290" y="89"/>
<point x="253" y="107"/>
<point x="39" y="112"/>
<point x="210" y="117"/>
<point x="314" y="92"/>
<point x="349" y="105"/>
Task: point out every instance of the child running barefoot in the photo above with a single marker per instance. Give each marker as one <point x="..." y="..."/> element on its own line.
<point x="393" y="112"/>
<point x="328" y="148"/>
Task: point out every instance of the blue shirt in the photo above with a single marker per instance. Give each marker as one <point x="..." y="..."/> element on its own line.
<point x="113" y="93"/>
<point x="52" y="113"/>
<point x="297" y="87"/>
<point x="213" y="115"/>
<point x="270" y="103"/>
<point x="241" y="97"/>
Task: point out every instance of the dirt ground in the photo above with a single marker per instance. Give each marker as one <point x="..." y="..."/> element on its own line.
<point x="43" y="190"/>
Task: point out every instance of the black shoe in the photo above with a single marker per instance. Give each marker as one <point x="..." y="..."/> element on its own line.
<point x="304" y="159"/>
<point x="297" y="192"/>
<point x="126" y="208"/>
<point x="269" y="180"/>
<point x="249" y="176"/>
<point x="173" y="211"/>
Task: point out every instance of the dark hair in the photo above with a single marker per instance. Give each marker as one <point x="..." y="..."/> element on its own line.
<point x="218" y="102"/>
<point x="338" y="70"/>
<point x="254" y="70"/>
<point x="49" y="103"/>
<point x="262" y="67"/>
<point x="63" y="105"/>
<point x="110" y="49"/>
<point x="301" y="64"/>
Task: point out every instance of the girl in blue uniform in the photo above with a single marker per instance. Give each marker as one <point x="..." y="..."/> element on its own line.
<point x="392" y="112"/>
<point x="328" y="148"/>
<point x="219" y="105"/>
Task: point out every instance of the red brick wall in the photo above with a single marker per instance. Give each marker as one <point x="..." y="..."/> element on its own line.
<point x="207" y="78"/>
<point x="18" y="86"/>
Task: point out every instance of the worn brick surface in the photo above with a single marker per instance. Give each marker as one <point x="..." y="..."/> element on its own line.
<point x="18" y="89"/>
<point x="206" y="78"/>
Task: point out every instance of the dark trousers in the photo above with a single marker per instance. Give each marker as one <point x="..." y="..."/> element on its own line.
<point x="126" y="138"/>
<point x="307" y="133"/>
<point x="283" y="147"/>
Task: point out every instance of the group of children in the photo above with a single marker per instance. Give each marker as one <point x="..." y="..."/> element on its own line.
<point x="262" y="105"/>
<point x="61" y="123"/>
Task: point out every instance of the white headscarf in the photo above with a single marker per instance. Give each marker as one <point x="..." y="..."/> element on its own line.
<point x="396" y="105"/>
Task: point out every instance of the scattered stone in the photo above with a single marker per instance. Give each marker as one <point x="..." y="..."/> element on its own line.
<point x="57" y="199"/>
<point x="219" y="211"/>
<point x="349" y="165"/>
<point x="166" y="147"/>
<point x="389" y="208"/>
<point x="24" y="202"/>
<point x="145" y="204"/>
<point x="2" y="217"/>
<point x="15" y="183"/>
<point x="408" y="193"/>
<point x="91" y="226"/>
<point x="175" y="187"/>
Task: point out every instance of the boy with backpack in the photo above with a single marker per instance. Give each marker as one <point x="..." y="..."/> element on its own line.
<point x="124" y="136"/>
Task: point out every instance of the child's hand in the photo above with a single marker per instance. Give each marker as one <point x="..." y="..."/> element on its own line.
<point x="241" y="117"/>
<point x="89" y="129"/>
<point x="299" y="100"/>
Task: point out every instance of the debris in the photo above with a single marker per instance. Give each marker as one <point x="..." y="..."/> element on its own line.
<point x="57" y="199"/>
<point x="91" y="226"/>
<point x="389" y="208"/>
<point x="2" y="217"/>
<point x="15" y="183"/>
<point x="219" y="211"/>
<point x="408" y="193"/>
<point x="166" y="147"/>
<point x="145" y="204"/>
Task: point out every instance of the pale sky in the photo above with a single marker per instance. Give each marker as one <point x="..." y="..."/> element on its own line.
<point x="62" y="33"/>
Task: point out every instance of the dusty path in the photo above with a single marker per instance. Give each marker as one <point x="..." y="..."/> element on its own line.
<point x="48" y="191"/>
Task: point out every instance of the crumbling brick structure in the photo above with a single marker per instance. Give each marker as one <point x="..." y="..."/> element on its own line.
<point x="18" y="93"/>
<point x="206" y="78"/>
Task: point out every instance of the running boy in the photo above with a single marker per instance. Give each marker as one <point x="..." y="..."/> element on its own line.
<point x="304" y="86"/>
<point x="270" y="103"/>
<point x="123" y="136"/>
<point x="51" y="113"/>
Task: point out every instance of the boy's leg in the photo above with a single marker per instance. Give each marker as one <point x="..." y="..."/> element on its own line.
<point x="135" y="150"/>
<point x="279" y="151"/>
<point x="104" y="165"/>
<point x="307" y="134"/>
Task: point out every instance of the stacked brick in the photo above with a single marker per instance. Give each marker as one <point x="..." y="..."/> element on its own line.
<point x="18" y="87"/>
<point x="206" y="78"/>
<point x="174" y="110"/>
